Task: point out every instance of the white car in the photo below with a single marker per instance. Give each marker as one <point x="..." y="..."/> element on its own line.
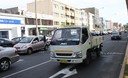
<point x="8" y="56"/>
<point x="116" y="35"/>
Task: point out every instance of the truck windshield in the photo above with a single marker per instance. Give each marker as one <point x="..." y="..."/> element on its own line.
<point x="66" y="36"/>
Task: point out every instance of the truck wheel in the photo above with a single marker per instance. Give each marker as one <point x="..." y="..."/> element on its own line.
<point x="89" y="58"/>
<point x="98" y="52"/>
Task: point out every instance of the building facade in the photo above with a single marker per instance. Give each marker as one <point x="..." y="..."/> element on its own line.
<point x="11" y="25"/>
<point x="63" y="14"/>
<point x="44" y="24"/>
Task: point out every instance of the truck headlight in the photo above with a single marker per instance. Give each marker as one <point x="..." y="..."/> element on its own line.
<point x="77" y="54"/>
<point x="52" y="54"/>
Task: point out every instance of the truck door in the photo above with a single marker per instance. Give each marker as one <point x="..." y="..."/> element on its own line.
<point x="84" y="35"/>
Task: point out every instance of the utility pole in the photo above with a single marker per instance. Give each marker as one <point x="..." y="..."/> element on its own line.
<point x="37" y="31"/>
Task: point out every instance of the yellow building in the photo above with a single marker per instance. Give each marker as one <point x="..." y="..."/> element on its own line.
<point x="63" y="15"/>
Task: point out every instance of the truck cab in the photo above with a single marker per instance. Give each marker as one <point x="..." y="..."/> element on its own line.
<point x="72" y="44"/>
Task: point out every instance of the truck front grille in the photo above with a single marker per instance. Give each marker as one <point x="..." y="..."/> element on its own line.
<point x="63" y="54"/>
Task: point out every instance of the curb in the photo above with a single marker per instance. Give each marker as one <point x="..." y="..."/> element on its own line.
<point x="124" y="62"/>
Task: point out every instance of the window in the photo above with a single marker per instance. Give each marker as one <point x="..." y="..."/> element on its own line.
<point x="62" y="8"/>
<point x="84" y="35"/>
<point x="67" y="16"/>
<point x="56" y="22"/>
<point x="56" y="14"/>
<point x="47" y="22"/>
<point x="62" y="23"/>
<point x="56" y="6"/>
<point x="62" y="16"/>
<point x="36" y="39"/>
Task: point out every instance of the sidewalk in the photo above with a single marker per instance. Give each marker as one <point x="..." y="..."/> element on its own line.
<point x="124" y="69"/>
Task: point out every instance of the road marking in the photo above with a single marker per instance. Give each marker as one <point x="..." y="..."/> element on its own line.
<point x="26" y="69"/>
<point x="65" y="71"/>
<point x="111" y="53"/>
<point x="20" y="60"/>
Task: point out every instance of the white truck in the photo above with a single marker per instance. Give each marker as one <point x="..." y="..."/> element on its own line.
<point x="74" y="45"/>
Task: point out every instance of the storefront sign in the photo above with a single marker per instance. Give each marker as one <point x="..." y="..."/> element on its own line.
<point x="9" y="21"/>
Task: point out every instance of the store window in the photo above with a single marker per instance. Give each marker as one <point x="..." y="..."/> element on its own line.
<point x="56" y="22"/>
<point x="4" y="34"/>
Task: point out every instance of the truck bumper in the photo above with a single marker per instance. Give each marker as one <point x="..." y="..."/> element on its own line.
<point x="61" y="60"/>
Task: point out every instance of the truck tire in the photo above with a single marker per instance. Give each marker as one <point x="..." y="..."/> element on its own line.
<point x="89" y="58"/>
<point x="98" y="52"/>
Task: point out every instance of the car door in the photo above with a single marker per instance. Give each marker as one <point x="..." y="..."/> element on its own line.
<point x="35" y="43"/>
<point x="41" y="42"/>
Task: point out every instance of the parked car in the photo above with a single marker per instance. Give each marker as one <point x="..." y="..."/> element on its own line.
<point x="31" y="44"/>
<point x="6" y="42"/>
<point x="17" y="39"/>
<point x="116" y="35"/>
<point x="8" y="56"/>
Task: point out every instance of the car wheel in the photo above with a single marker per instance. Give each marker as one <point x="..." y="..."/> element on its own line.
<point x="111" y="38"/>
<point x="45" y="48"/>
<point x="29" y="51"/>
<point x="4" y="64"/>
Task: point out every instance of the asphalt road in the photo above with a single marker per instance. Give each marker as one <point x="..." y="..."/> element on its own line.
<point x="38" y="64"/>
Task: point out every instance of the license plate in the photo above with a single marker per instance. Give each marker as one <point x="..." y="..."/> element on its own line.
<point x="63" y="61"/>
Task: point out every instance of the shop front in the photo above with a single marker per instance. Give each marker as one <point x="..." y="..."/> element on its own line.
<point x="42" y="30"/>
<point x="4" y="34"/>
<point x="10" y="25"/>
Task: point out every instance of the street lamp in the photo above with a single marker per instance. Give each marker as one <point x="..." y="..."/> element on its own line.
<point x="37" y="32"/>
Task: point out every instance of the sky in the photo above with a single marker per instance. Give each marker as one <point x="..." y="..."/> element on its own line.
<point x="114" y="10"/>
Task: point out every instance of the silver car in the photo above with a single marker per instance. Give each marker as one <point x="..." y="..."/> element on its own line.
<point x="8" y="56"/>
<point x="116" y="35"/>
<point x="30" y="44"/>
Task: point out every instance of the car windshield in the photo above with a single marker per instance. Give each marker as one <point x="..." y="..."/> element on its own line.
<point x="115" y="33"/>
<point x="26" y="40"/>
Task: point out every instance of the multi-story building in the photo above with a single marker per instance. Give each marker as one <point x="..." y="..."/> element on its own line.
<point x="63" y="14"/>
<point x="44" y="24"/>
<point x="117" y="26"/>
<point x="109" y="25"/>
<point x="13" y="10"/>
<point x="94" y="11"/>
<point x="26" y="21"/>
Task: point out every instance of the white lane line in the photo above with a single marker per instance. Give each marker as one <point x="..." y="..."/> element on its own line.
<point x="65" y="71"/>
<point x="26" y="69"/>
<point x="20" y="60"/>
